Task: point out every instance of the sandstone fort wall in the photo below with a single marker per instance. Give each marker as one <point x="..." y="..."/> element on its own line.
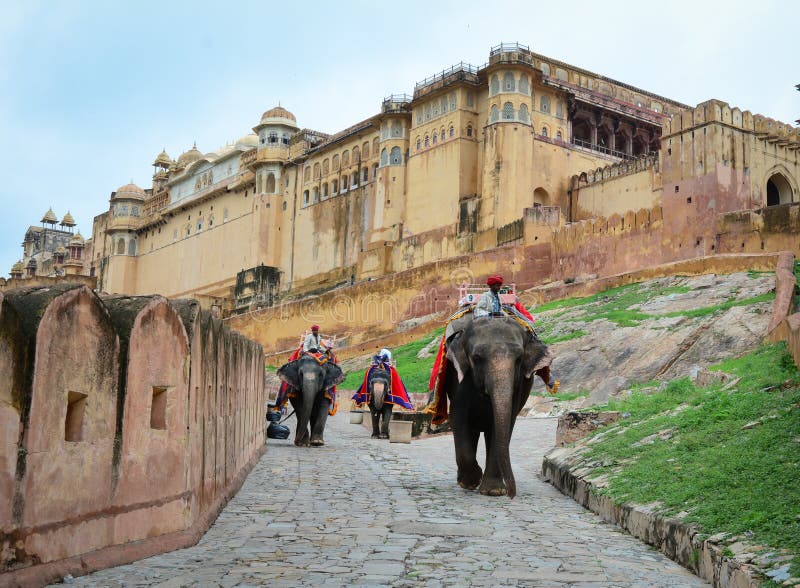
<point x="127" y="419"/>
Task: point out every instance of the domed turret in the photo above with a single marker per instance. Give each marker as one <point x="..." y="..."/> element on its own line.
<point x="50" y="217"/>
<point x="162" y="160"/>
<point x="67" y="221"/>
<point x="248" y="141"/>
<point x="277" y="116"/>
<point x="129" y="192"/>
<point x="77" y="240"/>
<point x="17" y="270"/>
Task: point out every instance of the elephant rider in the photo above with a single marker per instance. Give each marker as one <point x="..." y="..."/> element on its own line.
<point x="313" y="344"/>
<point x="397" y="393"/>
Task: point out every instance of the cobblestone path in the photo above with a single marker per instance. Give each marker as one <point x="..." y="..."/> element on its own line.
<point x="363" y="512"/>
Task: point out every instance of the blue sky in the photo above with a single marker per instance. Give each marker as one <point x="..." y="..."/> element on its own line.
<point x="90" y="92"/>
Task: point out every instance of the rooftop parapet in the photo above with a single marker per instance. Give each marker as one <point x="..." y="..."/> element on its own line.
<point x="455" y="73"/>
<point x="396" y="103"/>
<point x="510" y="53"/>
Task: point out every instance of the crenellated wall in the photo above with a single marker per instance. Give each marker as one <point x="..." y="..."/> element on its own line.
<point x="126" y="419"/>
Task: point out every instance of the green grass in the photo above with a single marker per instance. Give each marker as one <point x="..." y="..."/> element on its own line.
<point x="414" y="372"/>
<point x="708" y="310"/>
<point x="726" y="478"/>
<point x="550" y="340"/>
<point x="565" y="395"/>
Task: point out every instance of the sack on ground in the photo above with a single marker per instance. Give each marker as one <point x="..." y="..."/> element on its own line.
<point x="276" y="431"/>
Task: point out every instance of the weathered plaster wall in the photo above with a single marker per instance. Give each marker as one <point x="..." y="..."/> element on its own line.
<point x="105" y="425"/>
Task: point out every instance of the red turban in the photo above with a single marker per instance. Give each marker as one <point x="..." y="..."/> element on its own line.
<point x="492" y="280"/>
<point x="315" y="327"/>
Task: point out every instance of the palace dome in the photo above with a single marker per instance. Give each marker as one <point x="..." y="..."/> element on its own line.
<point x="77" y="239"/>
<point x="163" y="159"/>
<point x="17" y="268"/>
<point x="248" y="141"/>
<point x="276" y="116"/>
<point x="189" y="156"/>
<point x="130" y="191"/>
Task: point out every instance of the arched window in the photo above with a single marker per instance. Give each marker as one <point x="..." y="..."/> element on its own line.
<point x="356" y="154"/>
<point x="307" y="174"/>
<point x="559" y="109"/>
<point x="305" y="198"/>
<point x="469" y="130"/>
<point x="334" y="187"/>
<point x="384" y="157"/>
<point x="508" y="111"/>
<point x="435" y="138"/>
<point x="427" y="141"/>
<point x="544" y="104"/>
<point x="272" y="137"/>
<point x="452" y="131"/>
<point x="435" y="109"/>
<point x="324" y="191"/>
<point x="545" y="69"/>
<point x="427" y="112"/>
<point x="470" y="99"/>
<point x="132" y="247"/>
<point x="509" y="83"/>
<point x="375" y="145"/>
<point x="365" y="150"/>
<point x="315" y="195"/>
<point x="495" y="114"/>
<point x="343" y="183"/>
<point x="335" y="163"/>
<point x="354" y="179"/>
<point x="444" y="104"/>
<point x="345" y="159"/>
<point x="364" y="174"/>
<point x="316" y="171"/>
<point x="419" y="143"/>
<point x="523" y="85"/>
<point x="559" y="136"/>
<point x="271" y="183"/>
<point x="452" y="101"/>
<point x="374" y="170"/>
<point x="495" y="85"/>
<point x="121" y="246"/>
<point x="285" y="139"/>
<point x="396" y="156"/>
<point x="397" y="128"/>
<point x="544" y="131"/>
<point x="442" y="135"/>
<point x="523" y="113"/>
<point x="325" y="167"/>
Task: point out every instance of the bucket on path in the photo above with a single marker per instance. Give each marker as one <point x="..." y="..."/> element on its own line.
<point x="356" y="417"/>
<point x="400" y="431"/>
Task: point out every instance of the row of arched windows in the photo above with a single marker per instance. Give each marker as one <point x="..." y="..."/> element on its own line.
<point x="440" y="136"/>
<point x="393" y="157"/>
<point x="341" y="160"/>
<point x="265" y="186"/>
<point x="392" y="131"/>
<point x="339" y="185"/>
<point x="509" y="113"/>
<point x="123" y="245"/>
<point x="273" y="139"/>
<point x="509" y="83"/>
<point x="440" y="106"/>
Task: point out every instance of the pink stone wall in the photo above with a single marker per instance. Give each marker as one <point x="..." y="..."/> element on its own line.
<point x="173" y="419"/>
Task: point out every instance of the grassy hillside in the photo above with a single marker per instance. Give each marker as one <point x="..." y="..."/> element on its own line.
<point x="726" y="458"/>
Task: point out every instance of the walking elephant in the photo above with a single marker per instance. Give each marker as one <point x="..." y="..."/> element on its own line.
<point x="379" y="381"/>
<point x="490" y="369"/>
<point x="311" y="397"/>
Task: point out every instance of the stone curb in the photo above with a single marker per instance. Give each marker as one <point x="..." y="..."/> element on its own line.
<point x="117" y="555"/>
<point x="680" y="542"/>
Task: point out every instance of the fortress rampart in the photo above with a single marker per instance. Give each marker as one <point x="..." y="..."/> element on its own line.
<point x="125" y="419"/>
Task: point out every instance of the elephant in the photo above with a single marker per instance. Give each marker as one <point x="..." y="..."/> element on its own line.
<point x="310" y="380"/>
<point x="490" y="370"/>
<point x="379" y="382"/>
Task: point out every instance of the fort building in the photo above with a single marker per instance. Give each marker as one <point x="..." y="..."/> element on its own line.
<point x="462" y="165"/>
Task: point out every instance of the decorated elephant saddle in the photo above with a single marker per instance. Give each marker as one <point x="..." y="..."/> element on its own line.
<point x="396" y="393"/>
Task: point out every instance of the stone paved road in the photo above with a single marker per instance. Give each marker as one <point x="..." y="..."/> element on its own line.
<point x="363" y="512"/>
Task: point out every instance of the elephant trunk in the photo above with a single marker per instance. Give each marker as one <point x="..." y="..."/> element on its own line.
<point x="501" y="389"/>
<point x="310" y="388"/>
<point x="378" y="393"/>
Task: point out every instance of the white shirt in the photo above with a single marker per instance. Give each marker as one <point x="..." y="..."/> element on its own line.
<point x="314" y="342"/>
<point x="488" y="303"/>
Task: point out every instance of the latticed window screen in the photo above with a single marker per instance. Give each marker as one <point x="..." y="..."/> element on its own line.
<point x="508" y="111"/>
<point x="397" y="156"/>
<point x="509" y="84"/>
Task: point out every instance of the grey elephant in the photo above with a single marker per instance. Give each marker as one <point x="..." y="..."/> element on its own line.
<point x="311" y="397"/>
<point x="379" y="382"/>
<point x="490" y="370"/>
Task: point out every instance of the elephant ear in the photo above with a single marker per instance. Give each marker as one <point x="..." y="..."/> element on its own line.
<point x="333" y="375"/>
<point x="457" y="356"/>
<point x="536" y="356"/>
<point x="290" y="373"/>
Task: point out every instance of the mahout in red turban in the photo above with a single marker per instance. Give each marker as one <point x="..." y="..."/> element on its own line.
<point x="315" y="327"/>
<point x="492" y="280"/>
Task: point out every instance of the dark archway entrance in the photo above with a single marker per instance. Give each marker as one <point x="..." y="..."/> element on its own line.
<point x="779" y="191"/>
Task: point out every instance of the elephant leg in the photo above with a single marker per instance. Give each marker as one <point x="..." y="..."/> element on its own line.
<point x="469" y="472"/>
<point x="318" y="419"/>
<point x="301" y="437"/>
<point x="376" y="418"/>
<point x="492" y="483"/>
<point x="386" y="416"/>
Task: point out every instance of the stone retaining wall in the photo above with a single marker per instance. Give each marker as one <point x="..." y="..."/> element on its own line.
<point x="127" y="424"/>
